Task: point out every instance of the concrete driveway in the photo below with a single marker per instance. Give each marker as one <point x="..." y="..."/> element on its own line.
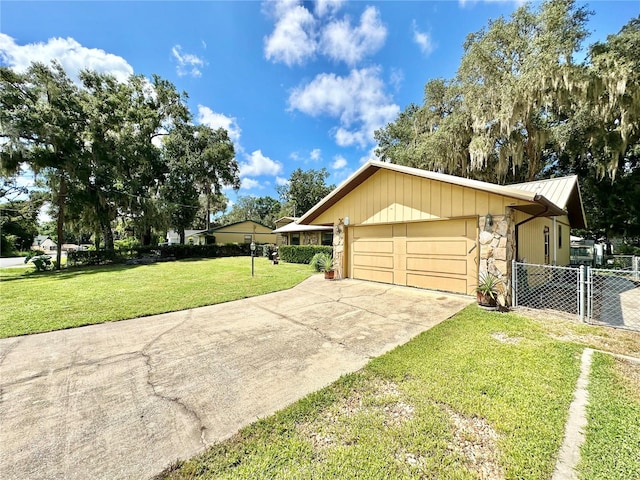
<point x="124" y="400"/>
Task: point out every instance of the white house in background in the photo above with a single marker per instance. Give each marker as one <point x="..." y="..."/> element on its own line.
<point x="43" y="242"/>
<point x="191" y="237"/>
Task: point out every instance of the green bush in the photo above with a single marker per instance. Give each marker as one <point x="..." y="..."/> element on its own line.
<point x="302" y="253"/>
<point x="41" y="261"/>
<point x="91" y="257"/>
<point x="173" y="252"/>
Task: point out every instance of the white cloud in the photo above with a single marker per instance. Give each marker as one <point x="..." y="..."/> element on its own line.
<point x="188" y="63"/>
<point x="282" y="181"/>
<point x="339" y="162"/>
<point x="396" y="78"/>
<point x="422" y="39"/>
<point x="327" y="7"/>
<point x="293" y="38"/>
<point x="249" y="184"/>
<point x="68" y="52"/>
<point x="316" y="154"/>
<point x="358" y="101"/>
<point x="216" y="120"/>
<point x="340" y="41"/>
<point x="257" y="164"/>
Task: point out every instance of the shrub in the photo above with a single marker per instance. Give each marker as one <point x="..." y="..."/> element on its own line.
<point x="91" y="257"/>
<point x="322" y="262"/>
<point x="41" y="261"/>
<point x="302" y="253"/>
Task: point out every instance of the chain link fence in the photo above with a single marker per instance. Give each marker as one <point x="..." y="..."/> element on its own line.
<point x="613" y="298"/>
<point x="597" y="296"/>
<point x="546" y="287"/>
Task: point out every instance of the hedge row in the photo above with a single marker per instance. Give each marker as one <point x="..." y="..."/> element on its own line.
<point x="164" y="252"/>
<point x="301" y="253"/>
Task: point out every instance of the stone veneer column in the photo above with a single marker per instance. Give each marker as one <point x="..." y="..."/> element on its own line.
<point x="497" y="248"/>
<point x="338" y="248"/>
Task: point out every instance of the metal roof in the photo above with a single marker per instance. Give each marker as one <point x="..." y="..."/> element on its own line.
<point x="562" y="191"/>
<point x="558" y="190"/>
<point x="545" y="205"/>
<point x="296" y="227"/>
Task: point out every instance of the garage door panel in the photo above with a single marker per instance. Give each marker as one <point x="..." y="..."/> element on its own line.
<point x="373" y="246"/>
<point x="378" y="231"/>
<point x="373" y="275"/>
<point x="374" y="261"/>
<point x="449" y="228"/>
<point x="434" y="282"/>
<point x="428" y="246"/>
<point x="437" y="265"/>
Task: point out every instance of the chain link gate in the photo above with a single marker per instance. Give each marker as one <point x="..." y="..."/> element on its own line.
<point x="613" y="298"/>
<point x="595" y="296"/>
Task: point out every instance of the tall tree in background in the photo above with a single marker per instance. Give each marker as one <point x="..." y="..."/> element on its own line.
<point x="200" y="160"/>
<point x="41" y="124"/>
<point x="303" y="190"/>
<point x="495" y="120"/>
<point x="263" y="210"/>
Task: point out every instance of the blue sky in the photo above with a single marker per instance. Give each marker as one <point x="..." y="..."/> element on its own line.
<point x="297" y="84"/>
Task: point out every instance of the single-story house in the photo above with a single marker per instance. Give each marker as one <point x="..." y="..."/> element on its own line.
<point x="292" y="233"/>
<point x="43" y="242"/>
<point x="191" y="237"/>
<point x="240" y="232"/>
<point x="407" y="226"/>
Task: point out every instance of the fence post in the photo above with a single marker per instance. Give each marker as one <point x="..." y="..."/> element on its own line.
<point x="581" y="292"/>
<point x="514" y="283"/>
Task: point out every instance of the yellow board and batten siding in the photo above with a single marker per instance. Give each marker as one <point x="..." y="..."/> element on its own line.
<point x="531" y="240"/>
<point x="391" y="197"/>
<point x="408" y="230"/>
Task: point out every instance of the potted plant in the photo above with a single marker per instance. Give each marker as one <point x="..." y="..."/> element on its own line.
<point x="323" y="262"/>
<point x="487" y="290"/>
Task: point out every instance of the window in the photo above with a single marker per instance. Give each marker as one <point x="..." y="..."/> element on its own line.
<point x="327" y="238"/>
<point x="247" y="239"/>
<point x="295" y="239"/>
<point x="546" y="245"/>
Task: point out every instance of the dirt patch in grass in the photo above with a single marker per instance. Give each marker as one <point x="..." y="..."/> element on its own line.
<point x="504" y="338"/>
<point x="568" y="328"/>
<point x="380" y="396"/>
<point x="475" y="440"/>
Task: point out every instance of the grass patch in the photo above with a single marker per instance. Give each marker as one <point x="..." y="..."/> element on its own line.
<point x="483" y="395"/>
<point x="40" y="302"/>
<point x="612" y="447"/>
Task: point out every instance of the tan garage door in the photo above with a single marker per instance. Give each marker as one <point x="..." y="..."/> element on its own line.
<point x="439" y="255"/>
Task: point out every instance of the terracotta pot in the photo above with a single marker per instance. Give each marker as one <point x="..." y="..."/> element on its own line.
<point x="329" y="275"/>
<point x="485" y="300"/>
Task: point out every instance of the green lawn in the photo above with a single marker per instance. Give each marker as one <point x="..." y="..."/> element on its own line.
<point x="39" y="302"/>
<point x="482" y="395"/>
<point x="612" y="447"/>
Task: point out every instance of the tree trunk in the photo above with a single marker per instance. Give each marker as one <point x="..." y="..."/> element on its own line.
<point x="206" y="222"/>
<point x="62" y="195"/>
<point x="146" y="236"/>
<point x="182" y="236"/>
<point x="107" y="233"/>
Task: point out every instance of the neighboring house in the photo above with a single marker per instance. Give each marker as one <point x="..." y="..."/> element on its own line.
<point x="43" y="242"/>
<point x="408" y="226"/>
<point x="291" y="233"/>
<point x="191" y="237"/>
<point x="239" y="232"/>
